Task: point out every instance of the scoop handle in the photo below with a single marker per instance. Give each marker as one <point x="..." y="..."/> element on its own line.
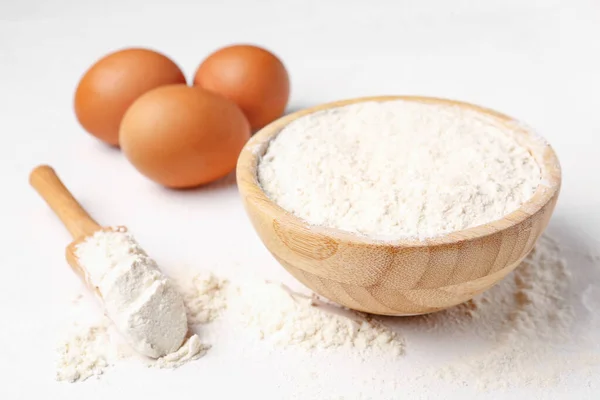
<point x="45" y="181"/>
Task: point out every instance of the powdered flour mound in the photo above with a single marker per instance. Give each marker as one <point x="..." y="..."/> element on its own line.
<point x="509" y="335"/>
<point x="287" y="318"/>
<point x="85" y="352"/>
<point x="398" y="169"/>
<point x="88" y="348"/>
<point x="204" y="296"/>
<point x="137" y="297"/>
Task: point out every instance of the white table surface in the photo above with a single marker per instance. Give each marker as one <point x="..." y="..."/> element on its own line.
<point x="535" y="60"/>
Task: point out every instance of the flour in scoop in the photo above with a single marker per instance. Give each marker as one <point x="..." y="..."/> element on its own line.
<point x="398" y="169"/>
<point x="142" y="302"/>
<point x="90" y="346"/>
<point x="510" y="335"/>
<point x="191" y="349"/>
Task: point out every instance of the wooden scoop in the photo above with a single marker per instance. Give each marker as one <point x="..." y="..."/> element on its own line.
<point x="78" y="222"/>
<point x="152" y="342"/>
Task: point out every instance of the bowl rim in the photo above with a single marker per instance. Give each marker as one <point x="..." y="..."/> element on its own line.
<point x="543" y="153"/>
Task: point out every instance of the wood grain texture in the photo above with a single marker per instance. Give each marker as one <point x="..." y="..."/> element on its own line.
<point x="79" y="223"/>
<point x="45" y="181"/>
<point x="405" y="276"/>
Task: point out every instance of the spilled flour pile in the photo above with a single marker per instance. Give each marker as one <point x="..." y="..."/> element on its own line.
<point x="287" y="318"/>
<point x="523" y="317"/>
<point x="507" y="336"/>
<point x="191" y="349"/>
<point x="204" y="297"/>
<point x="85" y="353"/>
<point x="205" y="300"/>
<point x="91" y="346"/>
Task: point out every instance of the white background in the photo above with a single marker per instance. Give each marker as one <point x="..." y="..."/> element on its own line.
<point x="536" y="60"/>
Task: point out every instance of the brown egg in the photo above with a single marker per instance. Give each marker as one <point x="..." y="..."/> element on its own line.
<point x="112" y="84"/>
<point x="253" y="78"/>
<point x="181" y="136"/>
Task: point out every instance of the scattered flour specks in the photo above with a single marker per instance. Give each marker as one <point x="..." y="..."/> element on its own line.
<point x="86" y="352"/>
<point x="521" y="318"/>
<point x="91" y="346"/>
<point x="204" y="297"/>
<point x="508" y="336"/>
<point x="287" y="318"/>
<point x="190" y="350"/>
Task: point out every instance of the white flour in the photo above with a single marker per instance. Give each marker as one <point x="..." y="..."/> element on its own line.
<point x="204" y="297"/>
<point x="191" y="349"/>
<point x="398" y="169"/>
<point x="275" y="313"/>
<point x="88" y="349"/>
<point x="522" y="319"/>
<point x="509" y="334"/>
<point x="85" y="353"/>
<point x="138" y="298"/>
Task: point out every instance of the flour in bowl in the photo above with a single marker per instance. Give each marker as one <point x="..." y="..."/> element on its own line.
<point x="398" y="169"/>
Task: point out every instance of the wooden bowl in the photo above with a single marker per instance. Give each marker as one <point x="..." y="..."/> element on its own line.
<point x="403" y="277"/>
